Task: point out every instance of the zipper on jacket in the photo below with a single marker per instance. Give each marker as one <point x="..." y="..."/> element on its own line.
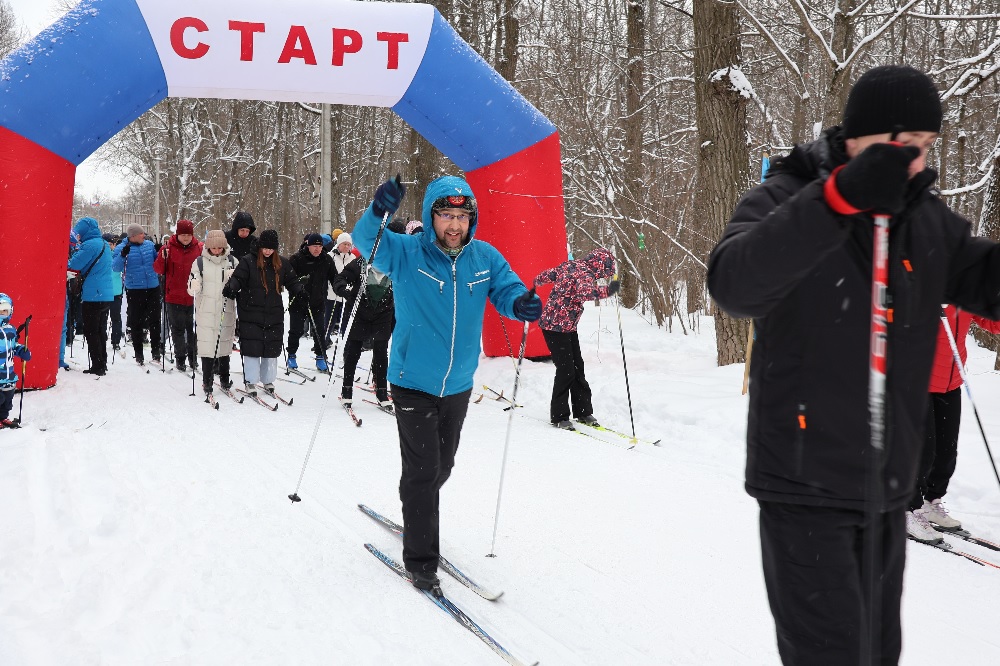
<point x="800" y="437"/>
<point x="454" y="320"/>
<point x="472" y="284"/>
<point x="440" y="282"/>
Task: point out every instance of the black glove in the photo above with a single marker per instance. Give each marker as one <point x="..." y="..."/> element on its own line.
<point x="388" y="196"/>
<point x="125" y="249"/>
<point x="228" y="292"/>
<point x="614" y="287"/>
<point x="877" y="178"/>
<point x="528" y="306"/>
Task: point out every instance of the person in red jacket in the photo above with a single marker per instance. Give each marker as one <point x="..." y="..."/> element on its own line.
<point x="173" y="261"/>
<point x="926" y="513"/>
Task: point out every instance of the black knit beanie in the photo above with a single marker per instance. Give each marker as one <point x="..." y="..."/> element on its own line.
<point x="268" y="239"/>
<point x="892" y="98"/>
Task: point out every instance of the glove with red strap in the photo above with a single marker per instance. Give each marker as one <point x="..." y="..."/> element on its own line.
<point x="876" y="179"/>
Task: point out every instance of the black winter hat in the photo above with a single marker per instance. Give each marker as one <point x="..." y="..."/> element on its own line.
<point x="892" y="98"/>
<point x="268" y="239"/>
<point x="314" y="239"/>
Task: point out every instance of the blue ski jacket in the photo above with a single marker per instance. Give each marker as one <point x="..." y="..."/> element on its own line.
<point x="94" y="251"/>
<point x="137" y="266"/>
<point x="440" y="300"/>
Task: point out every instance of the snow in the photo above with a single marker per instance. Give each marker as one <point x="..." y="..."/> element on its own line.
<point x="163" y="533"/>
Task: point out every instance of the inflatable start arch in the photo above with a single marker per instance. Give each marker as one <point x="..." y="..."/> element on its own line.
<point x="105" y="63"/>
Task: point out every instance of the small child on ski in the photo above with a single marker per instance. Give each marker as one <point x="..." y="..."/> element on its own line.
<point x="10" y="349"/>
<point x="575" y="282"/>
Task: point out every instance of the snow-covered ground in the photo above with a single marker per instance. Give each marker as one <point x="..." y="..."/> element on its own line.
<point x="162" y="534"/>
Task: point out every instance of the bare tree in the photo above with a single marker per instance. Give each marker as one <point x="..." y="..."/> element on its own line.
<point x="723" y="159"/>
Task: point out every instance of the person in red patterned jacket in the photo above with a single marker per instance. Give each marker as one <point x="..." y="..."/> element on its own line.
<point x="944" y="415"/>
<point x="575" y="282"/>
<point x="174" y="261"/>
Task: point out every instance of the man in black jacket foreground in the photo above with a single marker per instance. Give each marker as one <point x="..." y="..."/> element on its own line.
<point x="797" y="258"/>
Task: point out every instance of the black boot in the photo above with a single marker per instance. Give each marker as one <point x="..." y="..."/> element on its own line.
<point x="428" y="582"/>
<point x="347" y="395"/>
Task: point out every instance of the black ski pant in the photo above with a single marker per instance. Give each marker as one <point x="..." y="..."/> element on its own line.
<point x="181" y="318"/>
<point x="116" y="321"/>
<point x="429" y="430"/>
<point x="570" y="381"/>
<point x="212" y="366"/>
<point x="95" y="331"/>
<point x="380" y="360"/>
<point x="816" y="572"/>
<point x="6" y="403"/>
<point x="144" y="313"/>
<point x="940" y="452"/>
<point x="296" y="326"/>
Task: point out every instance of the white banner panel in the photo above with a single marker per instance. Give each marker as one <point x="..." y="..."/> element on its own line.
<point x="360" y="53"/>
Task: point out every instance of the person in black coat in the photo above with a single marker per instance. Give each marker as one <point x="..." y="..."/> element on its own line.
<point x="796" y="256"/>
<point x="256" y="285"/>
<point x="242" y="242"/>
<point x="316" y="271"/>
<point x="374" y="321"/>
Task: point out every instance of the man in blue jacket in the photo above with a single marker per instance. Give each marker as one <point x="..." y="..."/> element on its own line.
<point x="441" y="282"/>
<point x="92" y="261"/>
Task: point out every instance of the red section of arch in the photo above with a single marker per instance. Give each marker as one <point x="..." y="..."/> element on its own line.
<point x="521" y="214"/>
<point x="37" y="192"/>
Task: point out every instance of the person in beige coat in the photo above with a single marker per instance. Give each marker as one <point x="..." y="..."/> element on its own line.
<point x="215" y="315"/>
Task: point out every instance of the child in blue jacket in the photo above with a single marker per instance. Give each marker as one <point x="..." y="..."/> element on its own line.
<point x="9" y="349"/>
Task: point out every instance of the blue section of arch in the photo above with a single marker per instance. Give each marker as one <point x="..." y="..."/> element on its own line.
<point x="464" y="108"/>
<point x="83" y="79"/>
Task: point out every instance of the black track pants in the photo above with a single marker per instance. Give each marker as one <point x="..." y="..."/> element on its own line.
<point x="570" y="381"/>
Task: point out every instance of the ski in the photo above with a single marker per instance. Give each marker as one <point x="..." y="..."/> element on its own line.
<point x="387" y="408"/>
<point x="947" y="548"/>
<point x="967" y="536"/>
<point x="611" y="431"/>
<point x="14" y="425"/>
<point x="279" y="398"/>
<point x="260" y="401"/>
<point x="210" y="399"/>
<point x="620" y="434"/>
<point x="230" y="393"/>
<point x="450" y="568"/>
<point x="445" y="604"/>
<point x="299" y="373"/>
<point x="350" y="412"/>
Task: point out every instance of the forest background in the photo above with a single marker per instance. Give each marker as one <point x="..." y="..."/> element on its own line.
<point x="666" y="111"/>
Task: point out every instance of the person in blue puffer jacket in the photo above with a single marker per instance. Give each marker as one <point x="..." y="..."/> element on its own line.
<point x="93" y="263"/>
<point x="142" y="287"/>
<point x="441" y="281"/>
<point x="10" y="349"/>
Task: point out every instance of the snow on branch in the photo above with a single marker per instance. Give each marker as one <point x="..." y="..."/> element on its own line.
<point x="742" y="86"/>
<point x="870" y="38"/>
<point x="970" y="188"/>
<point x="817" y="35"/>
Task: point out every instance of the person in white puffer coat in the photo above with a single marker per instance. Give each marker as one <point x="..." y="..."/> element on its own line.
<point x="215" y="331"/>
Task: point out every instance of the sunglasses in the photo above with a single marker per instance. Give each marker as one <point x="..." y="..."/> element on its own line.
<point x="461" y="217"/>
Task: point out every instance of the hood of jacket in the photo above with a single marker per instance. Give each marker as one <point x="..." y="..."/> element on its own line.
<point x="601" y="263"/>
<point x="217" y="259"/>
<point x="86" y="228"/>
<point x="6" y="300"/>
<point x="243" y="221"/>
<point x="446" y="186"/>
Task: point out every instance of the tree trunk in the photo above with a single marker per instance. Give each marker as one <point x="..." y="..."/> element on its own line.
<point x="632" y="124"/>
<point x="723" y="154"/>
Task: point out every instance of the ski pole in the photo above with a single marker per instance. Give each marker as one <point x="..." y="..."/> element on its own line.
<point x="879" y="340"/>
<point x="194" y="319"/>
<point x="329" y="382"/>
<point x="24" y="371"/>
<point x="968" y="389"/>
<point x="628" y="390"/>
<point x="510" y="425"/>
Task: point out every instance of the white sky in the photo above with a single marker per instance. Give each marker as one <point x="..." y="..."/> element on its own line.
<point x="91" y="181"/>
